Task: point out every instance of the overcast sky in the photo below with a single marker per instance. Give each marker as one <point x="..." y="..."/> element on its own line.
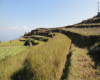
<point x="20" y="16"/>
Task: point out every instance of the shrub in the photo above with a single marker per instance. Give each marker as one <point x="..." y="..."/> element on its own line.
<point x="30" y="42"/>
<point x="36" y="43"/>
<point x="45" y="40"/>
<point x="27" y="42"/>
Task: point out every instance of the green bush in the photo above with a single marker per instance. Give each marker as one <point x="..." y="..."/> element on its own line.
<point x="27" y="42"/>
<point x="36" y="43"/>
<point x="45" y="40"/>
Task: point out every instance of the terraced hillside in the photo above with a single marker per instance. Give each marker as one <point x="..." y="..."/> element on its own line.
<point x="11" y="50"/>
<point x="85" y="50"/>
<point x="91" y="20"/>
<point x="85" y="31"/>
<point x="15" y="46"/>
<point x="89" y="23"/>
<point x="40" y="62"/>
<point x="55" y="57"/>
<point x="14" y="43"/>
<point x="47" y="61"/>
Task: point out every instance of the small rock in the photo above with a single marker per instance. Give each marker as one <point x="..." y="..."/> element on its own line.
<point x="94" y="48"/>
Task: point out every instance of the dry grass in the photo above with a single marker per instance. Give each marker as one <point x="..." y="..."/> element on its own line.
<point x="83" y="68"/>
<point x="12" y="65"/>
<point x="47" y="61"/>
<point x="85" y="31"/>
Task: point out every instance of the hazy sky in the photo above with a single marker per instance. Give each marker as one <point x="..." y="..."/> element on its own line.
<point x="20" y="16"/>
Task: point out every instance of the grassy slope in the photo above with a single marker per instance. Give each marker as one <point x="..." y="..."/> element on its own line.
<point x="89" y="23"/>
<point x="7" y="48"/>
<point x="87" y="27"/>
<point x="14" y="43"/>
<point x="84" y="31"/>
<point x="47" y="61"/>
<point x="11" y="50"/>
<point x="91" y="20"/>
<point x="12" y="65"/>
<point x="82" y="66"/>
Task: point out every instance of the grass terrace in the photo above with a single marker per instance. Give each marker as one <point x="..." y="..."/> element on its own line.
<point x="11" y="50"/>
<point x="40" y="62"/>
<point x="47" y="61"/>
<point x="85" y="31"/>
<point x="17" y="42"/>
<point x="14" y="63"/>
<point x="14" y="43"/>
<point x="82" y="67"/>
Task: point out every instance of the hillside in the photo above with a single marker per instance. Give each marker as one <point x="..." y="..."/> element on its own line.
<point x="93" y="20"/>
<point x="43" y="60"/>
<point x="63" y="53"/>
<point x="86" y="27"/>
<point x="89" y="23"/>
<point x="85" y="49"/>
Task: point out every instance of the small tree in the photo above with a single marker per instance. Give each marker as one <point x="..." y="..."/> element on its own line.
<point x="27" y="42"/>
